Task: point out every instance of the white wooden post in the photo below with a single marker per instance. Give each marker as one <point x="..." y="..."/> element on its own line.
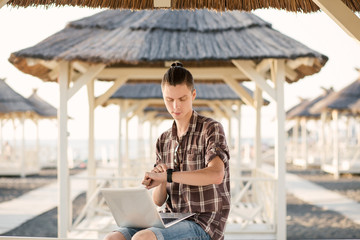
<point x="127" y="142"/>
<point x="239" y="158"/>
<point x="120" y="140"/>
<point x="37" y="145"/>
<point x="278" y="75"/>
<point x="91" y="164"/>
<point x="323" y="146"/>
<point x="23" y="163"/>
<point x="231" y="145"/>
<point x="304" y="143"/>
<point x="335" y="115"/>
<point x="257" y="143"/>
<point x="296" y="138"/>
<point x="62" y="164"/>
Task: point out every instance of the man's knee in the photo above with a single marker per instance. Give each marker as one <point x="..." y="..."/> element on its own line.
<point x="114" y="236"/>
<point x="144" y="235"/>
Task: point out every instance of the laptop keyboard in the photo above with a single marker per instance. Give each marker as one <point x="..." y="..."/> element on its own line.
<point x="168" y="220"/>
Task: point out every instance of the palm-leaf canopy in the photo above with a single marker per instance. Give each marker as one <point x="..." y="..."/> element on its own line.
<point x="341" y="100"/>
<point x="149" y="38"/>
<point x="302" y="110"/>
<point x="244" y="5"/>
<point x="12" y="103"/>
<point x="42" y="108"/>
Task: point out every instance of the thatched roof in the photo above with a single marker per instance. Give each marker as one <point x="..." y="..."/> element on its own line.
<point x="149" y="38"/>
<point x="246" y="5"/>
<point x="341" y="100"/>
<point x="204" y="91"/>
<point x="13" y="103"/>
<point x="42" y="108"/>
<point x="302" y="110"/>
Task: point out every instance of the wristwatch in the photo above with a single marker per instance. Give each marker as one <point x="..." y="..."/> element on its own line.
<point x="169" y="173"/>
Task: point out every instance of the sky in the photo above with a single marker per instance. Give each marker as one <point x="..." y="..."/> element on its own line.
<point x="21" y="28"/>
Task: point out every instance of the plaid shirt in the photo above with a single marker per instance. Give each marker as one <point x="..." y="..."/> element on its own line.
<point x="204" y="140"/>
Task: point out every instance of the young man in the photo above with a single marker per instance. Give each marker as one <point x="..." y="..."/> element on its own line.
<point x="191" y="173"/>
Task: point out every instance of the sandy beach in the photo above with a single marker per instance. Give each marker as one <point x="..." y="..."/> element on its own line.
<point x="304" y="221"/>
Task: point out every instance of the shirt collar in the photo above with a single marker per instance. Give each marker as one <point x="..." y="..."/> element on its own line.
<point x="191" y="127"/>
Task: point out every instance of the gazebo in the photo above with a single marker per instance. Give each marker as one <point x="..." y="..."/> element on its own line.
<point x="16" y="160"/>
<point x="337" y="106"/>
<point x="119" y="46"/>
<point x="305" y="153"/>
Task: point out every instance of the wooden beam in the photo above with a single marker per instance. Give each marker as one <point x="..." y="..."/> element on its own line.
<point x="227" y="108"/>
<point x="213" y="73"/>
<point x="295" y="63"/>
<point x="252" y="74"/>
<point x="3" y="2"/>
<point x="239" y="90"/>
<point x="117" y="84"/>
<point x="85" y="78"/>
<point x="342" y="16"/>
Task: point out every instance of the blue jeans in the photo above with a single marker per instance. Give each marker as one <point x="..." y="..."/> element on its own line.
<point x="184" y="230"/>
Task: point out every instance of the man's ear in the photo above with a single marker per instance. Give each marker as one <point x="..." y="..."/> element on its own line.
<point x="194" y="94"/>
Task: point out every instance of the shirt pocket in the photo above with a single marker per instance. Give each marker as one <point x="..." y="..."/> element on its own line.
<point x="195" y="159"/>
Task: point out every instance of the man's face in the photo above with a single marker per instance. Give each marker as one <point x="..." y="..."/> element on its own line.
<point x="178" y="100"/>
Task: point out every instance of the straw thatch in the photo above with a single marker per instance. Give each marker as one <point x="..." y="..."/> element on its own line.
<point x="204" y="91"/>
<point x="341" y="100"/>
<point x="302" y="110"/>
<point x="245" y="5"/>
<point x="42" y="108"/>
<point x="12" y="103"/>
<point x="149" y="38"/>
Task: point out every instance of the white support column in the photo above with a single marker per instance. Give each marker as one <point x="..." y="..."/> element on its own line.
<point x="304" y="144"/>
<point x="37" y="145"/>
<point x="127" y="161"/>
<point x="231" y="145"/>
<point x="239" y="158"/>
<point x="62" y="165"/>
<point x="120" y="141"/>
<point x="23" y="161"/>
<point x="296" y="138"/>
<point x="278" y="76"/>
<point x="323" y="146"/>
<point x="257" y="142"/>
<point x="335" y="116"/>
<point x="342" y="16"/>
<point x="91" y="164"/>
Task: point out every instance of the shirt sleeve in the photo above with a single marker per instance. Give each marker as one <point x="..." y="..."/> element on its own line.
<point x="216" y="143"/>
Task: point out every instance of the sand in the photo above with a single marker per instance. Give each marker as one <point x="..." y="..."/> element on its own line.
<point x="304" y="221"/>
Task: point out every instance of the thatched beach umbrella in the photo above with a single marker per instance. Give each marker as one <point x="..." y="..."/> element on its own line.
<point x="138" y="45"/>
<point x="245" y="5"/>
<point x="336" y="104"/>
<point x="13" y="107"/>
<point x="41" y="107"/>
<point x="301" y="114"/>
<point x="341" y="11"/>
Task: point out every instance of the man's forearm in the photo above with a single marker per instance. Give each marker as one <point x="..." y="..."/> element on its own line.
<point x="213" y="174"/>
<point x="160" y="195"/>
